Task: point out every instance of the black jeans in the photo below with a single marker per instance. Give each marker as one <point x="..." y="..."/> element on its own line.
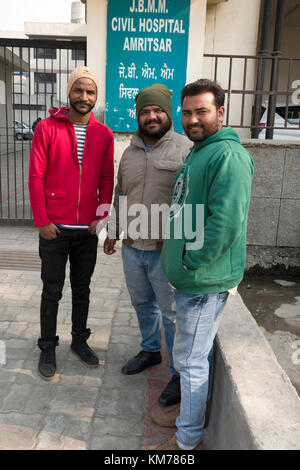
<point x="81" y="249"/>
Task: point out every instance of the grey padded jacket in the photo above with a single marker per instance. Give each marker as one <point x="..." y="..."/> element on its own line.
<point x="146" y="179"/>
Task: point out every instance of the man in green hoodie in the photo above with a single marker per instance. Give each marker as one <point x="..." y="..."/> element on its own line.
<point x="204" y="257"/>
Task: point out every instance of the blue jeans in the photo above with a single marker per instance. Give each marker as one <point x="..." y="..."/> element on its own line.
<point x="152" y="298"/>
<point x="197" y="320"/>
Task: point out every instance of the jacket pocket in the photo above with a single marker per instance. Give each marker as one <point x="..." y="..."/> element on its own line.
<point x="168" y="165"/>
<point x="56" y="203"/>
<point x="55" y="194"/>
<point x="171" y="258"/>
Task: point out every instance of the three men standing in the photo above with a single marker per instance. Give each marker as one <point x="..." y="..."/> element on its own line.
<point x="146" y="173"/>
<point x="71" y="174"/>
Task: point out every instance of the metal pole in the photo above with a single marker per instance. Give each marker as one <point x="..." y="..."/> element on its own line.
<point x="263" y="51"/>
<point x="275" y="67"/>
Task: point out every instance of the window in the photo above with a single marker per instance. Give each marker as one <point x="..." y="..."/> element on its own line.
<point x="45" y="83"/>
<point x="78" y="54"/>
<point x="44" y="53"/>
<point x="293" y="114"/>
<point x="19" y="83"/>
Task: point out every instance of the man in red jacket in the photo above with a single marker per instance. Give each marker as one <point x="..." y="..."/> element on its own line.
<point x="70" y="182"/>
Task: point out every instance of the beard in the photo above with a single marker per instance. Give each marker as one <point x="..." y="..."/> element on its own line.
<point x="163" y="128"/>
<point x="200" y="132"/>
<point x="74" y="105"/>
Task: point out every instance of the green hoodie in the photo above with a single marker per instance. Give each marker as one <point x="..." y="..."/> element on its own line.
<point x="216" y="179"/>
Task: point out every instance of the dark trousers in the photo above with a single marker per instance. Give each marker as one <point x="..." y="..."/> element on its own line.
<point x="81" y="249"/>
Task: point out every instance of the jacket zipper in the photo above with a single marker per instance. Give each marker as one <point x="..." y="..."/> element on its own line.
<point x="80" y="174"/>
<point x="145" y="173"/>
<point x="79" y="193"/>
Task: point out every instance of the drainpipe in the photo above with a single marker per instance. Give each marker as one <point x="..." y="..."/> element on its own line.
<point x="275" y="66"/>
<point x="263" y="51"/>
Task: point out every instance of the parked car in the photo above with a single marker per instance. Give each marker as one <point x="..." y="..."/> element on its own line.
<point x="22" y="131"/>
<point x="292" y="129"/>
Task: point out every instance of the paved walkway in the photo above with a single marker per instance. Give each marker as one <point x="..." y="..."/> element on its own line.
<point x="82" y="408"/>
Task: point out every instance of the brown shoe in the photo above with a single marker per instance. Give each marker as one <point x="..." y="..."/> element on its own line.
<point x="165" y="416"/>
<point x="171" y="444"/>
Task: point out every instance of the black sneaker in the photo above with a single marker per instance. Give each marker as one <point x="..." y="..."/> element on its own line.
<point x="47" y="362"/>
<point x="81" y="349"/>
<point x="140" y="362"/>
<point x="171" y="394"/>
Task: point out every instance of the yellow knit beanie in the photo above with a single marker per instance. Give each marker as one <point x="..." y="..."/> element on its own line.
<point x="81" y="72"/>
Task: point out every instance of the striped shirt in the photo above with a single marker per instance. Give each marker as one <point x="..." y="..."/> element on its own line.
<point x="80" y="131"/>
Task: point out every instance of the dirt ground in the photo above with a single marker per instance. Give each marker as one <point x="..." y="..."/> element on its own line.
<point x="274" y="302"/>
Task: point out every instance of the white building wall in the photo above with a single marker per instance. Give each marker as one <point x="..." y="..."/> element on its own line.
<point x="232" y="29"/>
<point x="196" y="40"/>
<point x="96" y="43"/>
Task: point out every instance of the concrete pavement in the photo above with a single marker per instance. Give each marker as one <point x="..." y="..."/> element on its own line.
<point x="102" y="409"/>
<point x="81" y="408"/>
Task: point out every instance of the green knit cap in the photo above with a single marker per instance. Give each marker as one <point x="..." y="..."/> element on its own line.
<point x="156" y="94"/>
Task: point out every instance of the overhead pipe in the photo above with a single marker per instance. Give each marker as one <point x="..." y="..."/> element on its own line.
<point x="263" y="52"/>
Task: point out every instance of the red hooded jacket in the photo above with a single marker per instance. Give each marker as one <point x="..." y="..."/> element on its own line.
<point x="62" y="191"/>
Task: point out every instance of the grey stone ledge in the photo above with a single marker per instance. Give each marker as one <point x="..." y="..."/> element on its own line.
<point x="254" y="404"/>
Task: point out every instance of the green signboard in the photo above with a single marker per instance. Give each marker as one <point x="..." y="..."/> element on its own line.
<point x="147" y="43"/>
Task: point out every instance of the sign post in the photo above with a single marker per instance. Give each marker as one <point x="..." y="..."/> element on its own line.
<point x="147" y="43"/>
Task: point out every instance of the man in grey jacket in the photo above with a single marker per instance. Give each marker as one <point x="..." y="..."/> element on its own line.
<point x="145" y="183"/>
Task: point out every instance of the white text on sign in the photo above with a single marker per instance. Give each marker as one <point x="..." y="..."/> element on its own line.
<point x="153" y="6"/>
